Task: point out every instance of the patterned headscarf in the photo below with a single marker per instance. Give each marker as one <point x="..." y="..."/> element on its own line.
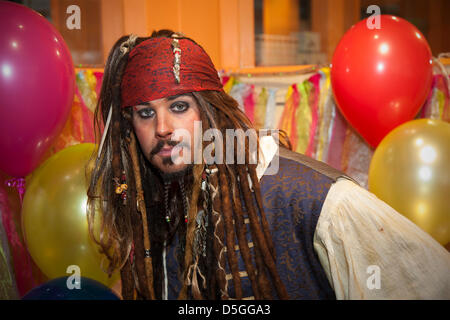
<point x="163" y="67"/>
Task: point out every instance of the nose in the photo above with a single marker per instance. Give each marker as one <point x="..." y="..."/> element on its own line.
<point x="164" y="128"/>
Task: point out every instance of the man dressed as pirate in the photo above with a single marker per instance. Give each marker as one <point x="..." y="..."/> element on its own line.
<point x="215" y="217"/>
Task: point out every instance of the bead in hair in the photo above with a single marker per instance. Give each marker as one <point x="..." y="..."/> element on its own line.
<point x="129" y="44"/>
<point x="177" y="57"/>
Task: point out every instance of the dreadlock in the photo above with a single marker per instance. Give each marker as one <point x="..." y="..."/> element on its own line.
<point x="229" y="116"/>
<point x="116" y="237"/>
<point x="229" y="195"/>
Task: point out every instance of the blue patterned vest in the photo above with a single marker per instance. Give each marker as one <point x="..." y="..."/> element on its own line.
<point x="292" y="199"/>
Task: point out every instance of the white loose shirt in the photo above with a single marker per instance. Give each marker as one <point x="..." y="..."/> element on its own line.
<point x="370" y="251"/>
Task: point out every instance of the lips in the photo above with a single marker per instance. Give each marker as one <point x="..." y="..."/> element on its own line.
<point x="165" y="152"/>
<point x="167" y="149"/>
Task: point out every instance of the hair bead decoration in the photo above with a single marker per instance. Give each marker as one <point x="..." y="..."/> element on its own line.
<point x="177" y="57"/>
<point x="121" y="187"/>
<point x="166" y="201"/>
<point x="185" y="202"/>
<point x="129" y="44"/>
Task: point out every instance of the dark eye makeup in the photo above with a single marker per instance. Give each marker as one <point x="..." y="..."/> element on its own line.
<point x="176" y="107"/>
<point x="146" y="113"/>
<point x="179" y="106"/>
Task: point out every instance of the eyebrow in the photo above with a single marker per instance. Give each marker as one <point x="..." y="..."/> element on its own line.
<point x="168" y="98"/>
<point x="178" y="95"/>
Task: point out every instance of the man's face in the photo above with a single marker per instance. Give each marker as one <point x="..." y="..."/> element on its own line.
<point x="155" y="124"/>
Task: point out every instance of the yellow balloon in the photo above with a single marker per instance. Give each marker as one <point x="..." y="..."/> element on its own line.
<point x="54" y="217"/>
<point x="410" y="171"/>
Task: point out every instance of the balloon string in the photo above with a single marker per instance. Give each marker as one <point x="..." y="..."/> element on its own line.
<point x="19" y="184"/>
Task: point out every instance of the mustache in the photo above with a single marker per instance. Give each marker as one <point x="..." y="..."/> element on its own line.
<point x="170" y="143"/>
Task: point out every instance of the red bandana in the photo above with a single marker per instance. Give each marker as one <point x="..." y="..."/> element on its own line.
<point x="150" y="74"/>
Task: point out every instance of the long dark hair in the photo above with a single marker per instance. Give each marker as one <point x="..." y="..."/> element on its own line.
<point x="117" y="222"/>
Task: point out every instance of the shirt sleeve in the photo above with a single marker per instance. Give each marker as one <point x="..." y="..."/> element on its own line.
<point x="370" y="251"/>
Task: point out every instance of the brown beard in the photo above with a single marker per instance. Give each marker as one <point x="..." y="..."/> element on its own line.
<point x="174" y="176"/>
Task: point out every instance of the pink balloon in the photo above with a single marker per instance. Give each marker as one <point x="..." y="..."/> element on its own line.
<point x="37" y="81"/>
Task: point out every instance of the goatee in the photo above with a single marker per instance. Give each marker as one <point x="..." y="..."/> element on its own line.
<point x="176" y="175"/>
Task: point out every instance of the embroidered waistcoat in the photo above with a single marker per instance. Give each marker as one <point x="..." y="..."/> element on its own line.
<point x="292" y="200"/>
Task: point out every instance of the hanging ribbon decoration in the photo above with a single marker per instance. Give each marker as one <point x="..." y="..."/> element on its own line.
<point x="303" y="118"/>
<point x="260" y="109"/>
<point x="288" y="120"/>
<point x="325" y="115"/>
<point x="19" y="184"/>
<point x="270" y="122"/>
<point x="314" y="106"/>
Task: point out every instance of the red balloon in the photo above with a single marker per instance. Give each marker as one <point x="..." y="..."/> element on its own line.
<point x="37" y="81"/>
<point x="381" y="77"/>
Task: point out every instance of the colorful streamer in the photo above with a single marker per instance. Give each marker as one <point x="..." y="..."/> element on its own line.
<point x="269" y="122"/>
<point x="314" y="104"/>
<point x="249" y="102"/>
<point x="325" y="112"/>
<point x="261" y="109"/>
<point x="287" y="121"/>
<point x="303" y="119"/>
<point x="8" y="288"/>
